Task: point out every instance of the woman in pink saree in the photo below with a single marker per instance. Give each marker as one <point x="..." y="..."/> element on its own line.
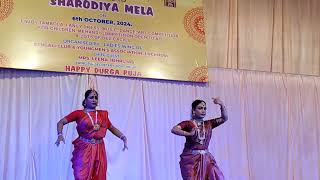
<point x="196" y="162"/>
<point x="89" y="160"/>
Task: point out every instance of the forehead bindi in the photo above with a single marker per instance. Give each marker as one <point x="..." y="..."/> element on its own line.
<point x="201" y="105"/>
<point x="93" y="94"/>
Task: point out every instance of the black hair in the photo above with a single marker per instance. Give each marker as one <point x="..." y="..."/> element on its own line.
<point x="87" y="94"/>
<point x="194" y="104"/>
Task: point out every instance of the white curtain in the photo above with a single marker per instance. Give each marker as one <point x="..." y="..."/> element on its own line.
<point x="272" y="131"/>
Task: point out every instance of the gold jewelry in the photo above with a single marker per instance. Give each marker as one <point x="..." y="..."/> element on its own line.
<point x="95" y="124"/>
<point x="201" y="131"/>
<point x="96" y="127"/>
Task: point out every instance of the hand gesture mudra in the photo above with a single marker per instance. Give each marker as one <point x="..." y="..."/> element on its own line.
<point x="125" y="146"/>
<point x="60" y="138"/>
<point x="194" y="133"/>
<point x="217" y="100"/>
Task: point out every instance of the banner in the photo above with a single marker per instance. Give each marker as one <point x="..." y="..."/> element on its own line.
<point x="162" y="39"/>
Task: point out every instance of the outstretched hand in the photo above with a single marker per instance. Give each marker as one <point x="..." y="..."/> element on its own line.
<point x="217" y="100"/>
<point x="60" y="138"/>
<point x="125" y="146"/>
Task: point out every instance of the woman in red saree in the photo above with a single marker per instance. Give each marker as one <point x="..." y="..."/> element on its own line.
<point x="196" y="162"/>
<point x="89" y="160"/>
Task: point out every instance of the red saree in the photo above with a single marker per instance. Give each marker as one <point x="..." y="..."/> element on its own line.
<point x="89" y="160"/>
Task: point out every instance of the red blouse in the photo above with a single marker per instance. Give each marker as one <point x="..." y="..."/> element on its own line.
<point x="85" y="126"/>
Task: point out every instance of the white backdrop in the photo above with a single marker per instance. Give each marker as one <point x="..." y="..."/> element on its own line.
<point x="272" y="131"/>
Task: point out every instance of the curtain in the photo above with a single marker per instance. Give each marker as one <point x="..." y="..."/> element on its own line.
<point x="265" y="35"/>
<point x="272" y="131"/>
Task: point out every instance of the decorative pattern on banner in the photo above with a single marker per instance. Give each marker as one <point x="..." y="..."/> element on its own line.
<point x="6" y="7"/>
<point x="199" y="74"/>
<point x="4" y="61"/>
<point x="194" y="24"/>
<point x="134" y="38"/>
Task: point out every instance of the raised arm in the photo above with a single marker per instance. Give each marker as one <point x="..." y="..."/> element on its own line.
<point x="120" y="135"/>
<point x="224" y="115"/>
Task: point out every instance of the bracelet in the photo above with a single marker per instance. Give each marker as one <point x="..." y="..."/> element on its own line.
<point x="122" y="137"/>
<point x="60" y="134"/>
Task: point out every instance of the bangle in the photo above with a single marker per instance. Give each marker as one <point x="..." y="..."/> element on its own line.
<point x="60" y="134"/>
<point x="122" y="137"/>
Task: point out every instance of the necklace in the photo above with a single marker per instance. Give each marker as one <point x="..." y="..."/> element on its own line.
<point x="201" y="131"/>
<point x="95" y="124"/>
